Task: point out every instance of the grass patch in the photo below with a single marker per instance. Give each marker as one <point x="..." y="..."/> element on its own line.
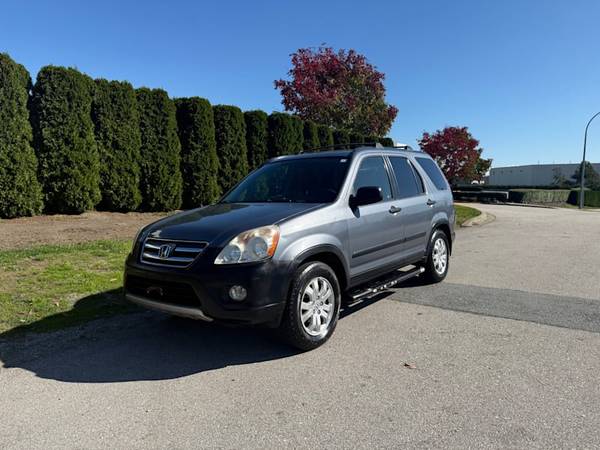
<point x="54" y="286"/>
<point x="464" y="213"/>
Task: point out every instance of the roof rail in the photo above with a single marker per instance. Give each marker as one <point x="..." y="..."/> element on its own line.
<point x="348" y="146"/>
<point x="405" y="147"/>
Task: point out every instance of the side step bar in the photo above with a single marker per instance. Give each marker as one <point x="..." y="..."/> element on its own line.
<point x="383" y="284"/>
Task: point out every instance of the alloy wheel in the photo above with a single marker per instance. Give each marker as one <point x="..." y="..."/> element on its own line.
<point x="317" y="306"/>
<point x="440" y="256"/>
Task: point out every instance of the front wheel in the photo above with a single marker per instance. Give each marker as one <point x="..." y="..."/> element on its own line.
<point x="313" y="307"/>
<point x="438" y="259"/>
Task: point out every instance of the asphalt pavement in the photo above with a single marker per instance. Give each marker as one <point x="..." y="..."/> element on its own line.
<point x="504" y="354"/>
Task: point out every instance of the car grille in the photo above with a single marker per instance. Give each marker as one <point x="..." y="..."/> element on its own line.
<point x="163" y="252"/>
<point x="175" y="293"/>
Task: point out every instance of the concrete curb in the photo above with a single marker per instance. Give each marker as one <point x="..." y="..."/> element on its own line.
<point x="482" y="219"/>
<point x="531" y="205"/>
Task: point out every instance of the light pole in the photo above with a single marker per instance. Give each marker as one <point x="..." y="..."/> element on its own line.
<point x="582" y="170"/>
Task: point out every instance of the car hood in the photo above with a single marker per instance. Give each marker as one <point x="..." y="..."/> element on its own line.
<point x="218" y="224"/>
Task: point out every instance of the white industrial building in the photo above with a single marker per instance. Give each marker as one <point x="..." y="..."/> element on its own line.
<point x="533" y="175"/>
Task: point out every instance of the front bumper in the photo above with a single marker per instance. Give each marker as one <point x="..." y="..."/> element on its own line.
<point x="202" y="290"/>
<point x="177" y="310"/>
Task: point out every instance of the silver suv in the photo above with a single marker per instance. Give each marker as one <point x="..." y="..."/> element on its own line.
<point x="296" y="239"/>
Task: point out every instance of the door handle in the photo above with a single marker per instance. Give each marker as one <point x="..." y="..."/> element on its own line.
<point x="431" y="202"/>
<point x="394" y="209"/>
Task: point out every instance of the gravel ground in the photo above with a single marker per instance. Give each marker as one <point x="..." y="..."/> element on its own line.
<point x="66" y="229"/>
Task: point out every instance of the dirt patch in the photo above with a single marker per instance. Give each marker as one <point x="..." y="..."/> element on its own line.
<point x="63" y="229"/>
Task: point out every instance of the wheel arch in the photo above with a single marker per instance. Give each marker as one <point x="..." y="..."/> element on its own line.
<point x="442" y="225"/>
<point x="327" y="254"/>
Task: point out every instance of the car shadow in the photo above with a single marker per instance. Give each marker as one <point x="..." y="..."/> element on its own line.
<point x="141" y="345"/>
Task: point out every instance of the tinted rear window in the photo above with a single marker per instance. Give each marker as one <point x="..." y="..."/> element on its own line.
<point x="433" y="172"/>
<point x="408" y="186"/>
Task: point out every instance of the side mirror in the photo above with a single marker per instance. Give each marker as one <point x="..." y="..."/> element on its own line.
<point x="366" y="195"/>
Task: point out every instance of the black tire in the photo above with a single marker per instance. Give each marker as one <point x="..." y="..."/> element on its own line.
<point x="433" y="275"/>
<point x="291" y="329"/>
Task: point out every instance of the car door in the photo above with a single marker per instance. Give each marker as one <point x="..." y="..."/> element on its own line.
<point x="416" y="213"/>
<point x="375" y="236"/>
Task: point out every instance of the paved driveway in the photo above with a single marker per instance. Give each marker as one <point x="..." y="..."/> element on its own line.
<point x="551" y="251"/>
<point x="506" y="353"/>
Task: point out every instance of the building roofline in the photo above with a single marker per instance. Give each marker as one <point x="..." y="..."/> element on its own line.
<point x="542" y="165"/>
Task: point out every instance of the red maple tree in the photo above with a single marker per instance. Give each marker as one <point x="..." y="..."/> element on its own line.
<point x="457" y="153"/>
<point x="340" y="89"/>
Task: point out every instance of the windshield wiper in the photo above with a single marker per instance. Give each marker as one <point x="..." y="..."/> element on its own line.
<point x="279" y="199"/>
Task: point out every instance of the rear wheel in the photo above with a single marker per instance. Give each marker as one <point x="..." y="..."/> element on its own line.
<point x="313" y="307"/>
<point x="438" y="259"/>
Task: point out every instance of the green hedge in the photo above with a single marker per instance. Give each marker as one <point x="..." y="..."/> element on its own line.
<point x="311" y="135"/>
<point x="161" y="182"/>
<point x="256" y="137"/>
<point x="86" y="144"/>
<point x="64" y="140"/>
<point x="386" y="142"/>
<point x="230" y="131"/>
<point x="538" y="196"/>
<point x="591" y="198"/>
<point x="20" y="192"/>
<point x="356" y="138"/>
<point x="371" y="139"/>
<point x="199" y="161"/>
<point x="341" y="139"/>
<point x="298" y="126"/>
<point x="116" y="127"/>
<point x="325" y="136"/>
<point x="285" y="135"/>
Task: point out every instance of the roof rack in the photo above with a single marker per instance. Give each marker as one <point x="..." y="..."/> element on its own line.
<point x="348" y="146"/>
<point x="404" y="147"/>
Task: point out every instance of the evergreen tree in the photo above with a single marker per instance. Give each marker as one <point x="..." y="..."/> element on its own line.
<point x="298" y="134"/>
<point x="311" y="135"/>
<point x="325" y="137"/>
<point x="386" y="142"/>
<point x="357" y="138"/>
<point x="285" y="135"/>
<point x="199" y="162"/>
<point x="230" y="132"/>
<point x="20" y="191"/>
<point x="256" y="137"/>
<point x="341" y="139"/>
<point x="371" y="139"/>
<point x="64" y="140"/>
<point x="116" y="121"/>
<point x="591" y="178"/>
<point x="161" y="181"/>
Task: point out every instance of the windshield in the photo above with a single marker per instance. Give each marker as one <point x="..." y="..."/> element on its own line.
<point x="306" y="180"/>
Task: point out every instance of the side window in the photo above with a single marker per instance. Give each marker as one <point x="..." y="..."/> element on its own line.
<point x="372" y="172"/>
<point x="433" y="172"/>
<point x="408" y="185"/>
<point x="419" y="178"/>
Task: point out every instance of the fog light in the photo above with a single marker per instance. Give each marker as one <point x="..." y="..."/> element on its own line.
<point x="237" y="293"/>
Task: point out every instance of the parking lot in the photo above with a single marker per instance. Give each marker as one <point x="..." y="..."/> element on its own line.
<point x="505" y="353"/>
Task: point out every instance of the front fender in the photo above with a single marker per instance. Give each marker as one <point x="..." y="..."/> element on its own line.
<point x="299" y="248"/>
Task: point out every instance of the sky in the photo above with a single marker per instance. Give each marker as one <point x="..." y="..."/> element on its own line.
<point x="524" y="76"/>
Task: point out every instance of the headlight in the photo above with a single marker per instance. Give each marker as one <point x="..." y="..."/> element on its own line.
<point x="250" y="246"/>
